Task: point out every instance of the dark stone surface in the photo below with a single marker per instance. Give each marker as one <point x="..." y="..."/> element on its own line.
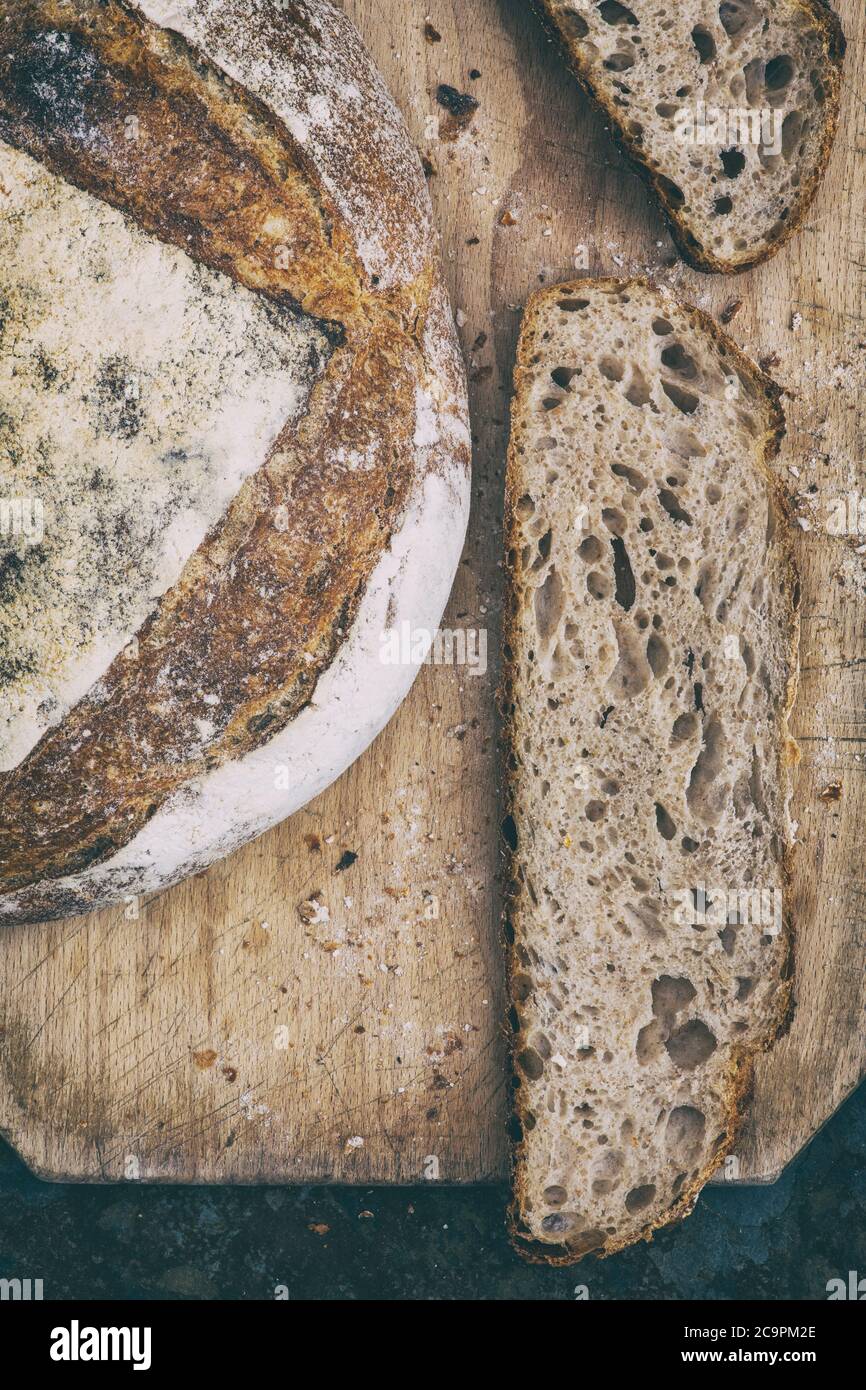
<point x="128" y="1242"/>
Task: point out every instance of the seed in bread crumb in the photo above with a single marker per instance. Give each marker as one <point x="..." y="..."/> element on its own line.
<point x="431" y="35"/>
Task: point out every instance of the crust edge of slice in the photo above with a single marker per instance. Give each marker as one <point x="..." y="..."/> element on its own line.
<point x="742" y="1060"/>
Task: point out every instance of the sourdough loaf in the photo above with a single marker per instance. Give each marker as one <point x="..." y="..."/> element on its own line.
<point x="233" y="416"/>
<point x="729" y="109"/>
<point x="651" y="667"/>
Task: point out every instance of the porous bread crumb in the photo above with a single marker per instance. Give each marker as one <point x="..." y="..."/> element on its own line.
<point x="736" y="183"/>
<point x="652" y="652"/>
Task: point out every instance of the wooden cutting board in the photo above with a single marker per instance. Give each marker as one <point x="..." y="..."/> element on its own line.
<point x="217" y="1036"/>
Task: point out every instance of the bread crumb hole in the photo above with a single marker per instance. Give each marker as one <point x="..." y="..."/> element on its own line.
<point x="733" y="162"/>
<point x="704" y="43"/>
<point x="555" y="1195"/>
<point x="598" y="585"/>
<point x="620" y="61"/>
<point x="636" y="481"/>
<point x="639" y="1198"/>
<point x="558" y="1223"/>
<point x="612" y="12"/>
<point x="638" y="393"/>
<point x="658" y="655"/>
<point x="614" y="520"/>
<point x="691" y="1045"/>
<point x="671" y="504"/>
<point x="736" y="15"/>
<point x="676" y="357"/>
<point x="573" y="25"/>
<point x="675" y="195"/>
<point x="792" y="129"/>
<point x="685" y="726"/>
<point x="530" y="1064"/>
<point x="664" y="822"/>
<point x="590" y="550"/>
<point x="684" y="1133"/>
<point x="611" y="368"/>
<point x="682" y="399"/>
<point x="525" y="507"/>
<point x="778" y="73"/>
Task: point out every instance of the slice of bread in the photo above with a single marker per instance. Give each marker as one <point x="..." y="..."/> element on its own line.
<point x="651" y="658"/>
<point x="685" y="86"/>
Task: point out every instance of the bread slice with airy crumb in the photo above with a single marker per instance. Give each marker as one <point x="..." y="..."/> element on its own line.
<point x="729" y="109"/>
<point x="650" y="667"/>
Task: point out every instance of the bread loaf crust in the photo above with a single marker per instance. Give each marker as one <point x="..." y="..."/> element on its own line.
<point x="269" y="151"/>
<point x="519" y="909"/>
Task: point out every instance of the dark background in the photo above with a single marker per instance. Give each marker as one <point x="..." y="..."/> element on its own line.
<point x="139" y="1242"/>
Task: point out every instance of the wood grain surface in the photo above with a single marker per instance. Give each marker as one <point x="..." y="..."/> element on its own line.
<point x="226" y="1032"/>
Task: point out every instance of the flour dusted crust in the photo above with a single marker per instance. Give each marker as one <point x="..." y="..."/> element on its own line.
<point x="146" y="440"/>
<point x="337" y="109"/>
<point x="297" y="386"/>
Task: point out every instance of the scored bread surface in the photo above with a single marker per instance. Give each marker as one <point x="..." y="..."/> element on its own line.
<point x="651" y="666"/>
<point x="230" y="378"/>
<point x="662" y="73"/>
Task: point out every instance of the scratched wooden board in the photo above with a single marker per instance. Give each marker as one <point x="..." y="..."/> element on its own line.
<point x="220" y="1037"/>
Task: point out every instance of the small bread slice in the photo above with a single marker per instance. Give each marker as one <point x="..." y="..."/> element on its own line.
<point x="651" y="657"/>
<point x="705" y="71"/>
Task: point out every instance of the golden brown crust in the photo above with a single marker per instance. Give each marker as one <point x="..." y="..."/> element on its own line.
<point x="697" y="255"/>
<point x="260" y="610"/>
<point x="534" y="1250"/>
